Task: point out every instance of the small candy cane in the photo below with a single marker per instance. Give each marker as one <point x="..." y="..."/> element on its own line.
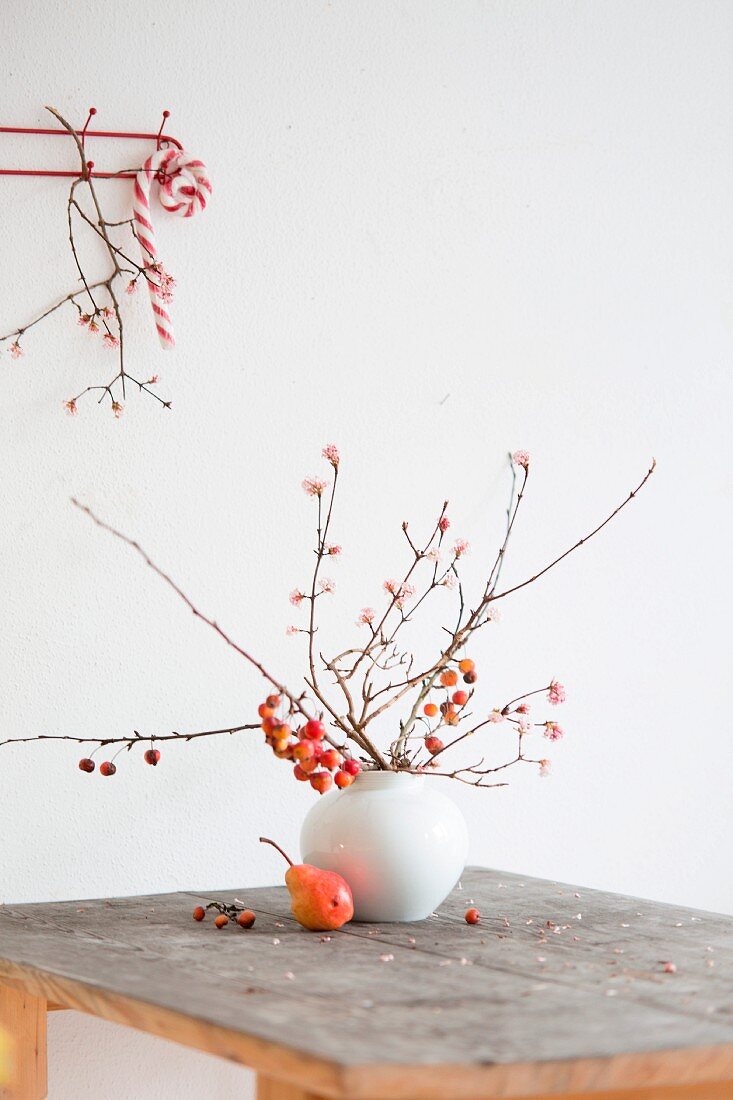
<point x="183" y="191"/>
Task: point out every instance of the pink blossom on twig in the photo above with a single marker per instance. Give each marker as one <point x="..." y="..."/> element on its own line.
<point x="521" y="458"/>
<point x="523" y="708"/>
<point x="131" y="287"/>
<point x="331" y="453"/>
<point x="496" y="715"/>
<point x="545" y="768"/>
<point x="93" y="326"/>
<point x="314" y="486"/>
<point x="70" y="407"/>
<point x="117" y="409"/>
<point x="461" y="546"/>
<point x="296" y="597"/>
<point x="399" y="592"/>
<point x="366" y="616"/>
<point x="16" y="351"/>
<point x="110" y="341"/>
<point x="443" y="523"/>
<point x="291" y="630"/>
<point x="333" y="551"/>
<point x="83" y="319"/>
<point x="327" y="585"/>
<point x="449" y="581"/>
<point x="433" y="555"/>
<point x="556" y="693"/>
<point x="553" y="732"/>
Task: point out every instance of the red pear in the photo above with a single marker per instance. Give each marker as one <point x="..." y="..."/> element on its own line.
<point x="320" y="900"/>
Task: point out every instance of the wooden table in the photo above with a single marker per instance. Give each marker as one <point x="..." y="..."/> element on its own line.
<point x="559" y="991"/>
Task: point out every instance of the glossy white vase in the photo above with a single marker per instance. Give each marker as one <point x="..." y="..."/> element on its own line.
<point x="399" y="842"/>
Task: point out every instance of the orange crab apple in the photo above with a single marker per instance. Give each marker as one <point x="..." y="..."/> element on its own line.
<point x="433" y="744"/>
<point x="460" y="698"/>
<point x="303" y="750"/>
<point x="342" y="779"/>
<point x="466" y="665"/>
<point x="264" y="711"/>
<point x="430" y="709"/>
<point x="300" y="774"/>
<point x="449" y="678"/>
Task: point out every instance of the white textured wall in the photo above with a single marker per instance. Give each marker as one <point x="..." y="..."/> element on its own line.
<point x="440" y="230"/>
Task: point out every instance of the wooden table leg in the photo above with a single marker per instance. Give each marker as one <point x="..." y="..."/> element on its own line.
<point x="270" y="1089"/>
<point x="23" y="1019"/>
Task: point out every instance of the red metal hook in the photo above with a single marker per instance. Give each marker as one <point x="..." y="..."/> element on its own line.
<point x="160" y="138"/>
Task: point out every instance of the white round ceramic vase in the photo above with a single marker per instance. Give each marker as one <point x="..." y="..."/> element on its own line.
<point x="400" y="843"/>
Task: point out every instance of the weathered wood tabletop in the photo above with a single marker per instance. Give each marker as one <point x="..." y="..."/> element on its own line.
<point x="559" y="991"/>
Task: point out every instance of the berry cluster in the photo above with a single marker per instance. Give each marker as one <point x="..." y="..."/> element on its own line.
<point x="315" y="762"/>
<point x="108" y="767"/>
<point x="237" y="914"/>
<point x="454" y="703"/>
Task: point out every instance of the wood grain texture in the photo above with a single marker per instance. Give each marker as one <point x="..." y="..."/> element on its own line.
<point x="23" y="1018"/>
<point x="559" y="990"/>
<point x="270" y="1089"/>
<point x="685" y="1092"/>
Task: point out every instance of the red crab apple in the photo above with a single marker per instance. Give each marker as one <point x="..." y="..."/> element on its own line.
<point x="433" y="744"/>
<point x="321" y="782"/>
<point x="300" y="774"/>
<point x="199" y="912"/>
<point x="314" y="729"/>
<point x="87" y="764"/>
<point x="222" y="920"/>
<point x="152" y="756"/>
<point x="472" y="916"/>
<point x="342" y="779"/>
<point x="320" y="900"/>
<point x="246" y="918"/>
<point x="330" y="759"/>
<point x="107" y="768"/>
<point x="353" y="767"/>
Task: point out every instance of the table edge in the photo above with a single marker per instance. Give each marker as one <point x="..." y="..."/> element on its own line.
<point x="378" y="1081"/>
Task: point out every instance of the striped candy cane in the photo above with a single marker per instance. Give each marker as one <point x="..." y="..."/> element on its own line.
<point x="183" y="191"/>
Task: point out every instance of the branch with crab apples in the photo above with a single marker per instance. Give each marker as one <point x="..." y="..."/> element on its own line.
<point x="324" y="727"/>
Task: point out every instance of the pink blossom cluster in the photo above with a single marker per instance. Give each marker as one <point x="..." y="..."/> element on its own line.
<point x="556" y="693"/>
<point x="314" y="486"/>
<point x="162" y="281"/>
<point x="400" y="593"/>
<point x="521" y="458"/>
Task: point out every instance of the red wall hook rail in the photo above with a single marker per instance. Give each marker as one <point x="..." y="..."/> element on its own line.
<point x="160" y="139"/>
